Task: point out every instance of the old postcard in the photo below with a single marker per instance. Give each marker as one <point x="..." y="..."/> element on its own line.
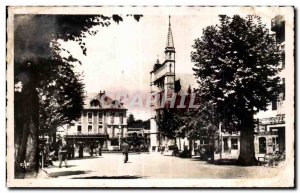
<point x="150" y="96"/>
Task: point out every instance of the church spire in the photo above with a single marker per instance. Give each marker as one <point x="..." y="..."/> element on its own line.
<point x="170" y="43"/>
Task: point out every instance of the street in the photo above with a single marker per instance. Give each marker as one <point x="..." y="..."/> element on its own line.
<point x="145" y="166"/>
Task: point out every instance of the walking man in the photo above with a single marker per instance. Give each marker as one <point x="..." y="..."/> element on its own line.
<point x="100" y="150"/>
<point x="80" y="152"/>
<point x="62" y="155"/>
<point x="91" y="149"/>
<point x="125" y="150"/>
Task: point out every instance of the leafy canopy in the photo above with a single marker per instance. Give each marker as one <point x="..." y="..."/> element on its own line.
<point x="236" y="65"/>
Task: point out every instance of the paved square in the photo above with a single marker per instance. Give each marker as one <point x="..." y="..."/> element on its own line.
<point x="111" y="166"/>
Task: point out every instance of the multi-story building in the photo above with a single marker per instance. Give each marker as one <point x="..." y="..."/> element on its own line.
<point x="103" y="121"/>
<point x="270" y="133"/>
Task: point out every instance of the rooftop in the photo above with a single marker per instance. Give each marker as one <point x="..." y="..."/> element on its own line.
<point x="101" y="101"/>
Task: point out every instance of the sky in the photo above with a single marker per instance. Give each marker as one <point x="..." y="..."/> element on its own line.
<point x="120" y="57"/>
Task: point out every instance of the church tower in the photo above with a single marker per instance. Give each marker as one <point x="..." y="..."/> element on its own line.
<point x="162" y="84"/>
<point x="170" y="62"/>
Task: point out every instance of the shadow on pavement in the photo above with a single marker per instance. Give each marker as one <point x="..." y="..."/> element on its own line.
<point x="66" y="173"/>
<point x="87" y="157"/>
<point x="63" y="166"/>
<point x="197" y="159"/>
<point x="109" y="177"/>
<point x="216" y="162"/>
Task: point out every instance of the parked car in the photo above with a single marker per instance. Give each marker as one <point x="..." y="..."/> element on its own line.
<point x="204" y="152"/>
<point x="171" y="150"/>
<point x="186" y="153"/>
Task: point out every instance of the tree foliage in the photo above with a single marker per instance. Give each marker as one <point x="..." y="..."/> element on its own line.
<point x="130" y="119"/>
<point x="236" y="66"/>
<point x="169" y="120"/>
<point x="47" y="91"/>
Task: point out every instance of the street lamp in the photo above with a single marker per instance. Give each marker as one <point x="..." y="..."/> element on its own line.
<point x="221" y="140"/>
<point x="119" y="136"/>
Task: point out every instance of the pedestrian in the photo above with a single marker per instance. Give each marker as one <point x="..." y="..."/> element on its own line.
<point x="69" y="151"/>
<point x="125" y="150"/>
<point x="62" y="155"/>
<point x="80" y="151"/>
<point x="91" y="149"/>
<point x="100" y="150"/>
<point x="73" y="151"/>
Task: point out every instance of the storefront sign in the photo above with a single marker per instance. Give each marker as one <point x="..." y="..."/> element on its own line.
<point x="272" y="120"/>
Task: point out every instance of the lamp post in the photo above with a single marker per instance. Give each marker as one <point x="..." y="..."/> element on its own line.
<point x="119" y="136"/>
<point x="221" y="141"/>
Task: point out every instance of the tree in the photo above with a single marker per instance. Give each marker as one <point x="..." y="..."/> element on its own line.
<point x="169" y="120"/>
<point x="130" y="120"/>
<point x="40" y="71"/>
<point x="189" y="91"/>
<point x="236" y="64"/>
<point x="60" y="101"/>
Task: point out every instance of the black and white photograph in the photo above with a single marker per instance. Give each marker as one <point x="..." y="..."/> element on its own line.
<point x="150" y="96"/>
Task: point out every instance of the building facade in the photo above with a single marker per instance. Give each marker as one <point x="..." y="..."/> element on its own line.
<point x="162" y="84"/>
<point x="271" y="129"/>
<point x="103" y="121"/>
<point x="165" y="83"/>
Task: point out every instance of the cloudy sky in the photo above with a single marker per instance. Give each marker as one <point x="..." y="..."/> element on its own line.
<point x="121" y="56"/>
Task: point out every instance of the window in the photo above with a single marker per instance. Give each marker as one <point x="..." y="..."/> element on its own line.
<point x="100" y="118"/>
<point x="90" y="117"/>
<point x="114" y="142"/>
<point x="204" y="141"/>
<point x="262" y="128"/>
<point x="79" y="128"/>
<point x="100" y="129"/>
<point x="234" y="144"/>
<point x="112" y="116"/>
<point x="121" y="118"/>
<point x="225" y="143"/>
<point x="90" y="129"/>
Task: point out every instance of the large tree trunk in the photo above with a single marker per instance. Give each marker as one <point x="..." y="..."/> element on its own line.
<point x="247" y="152"/>
<point x="32" y="151"/>
<point x="26" y="163"/>
<point x="22" y="112"/>
<point x="20" y="153"/>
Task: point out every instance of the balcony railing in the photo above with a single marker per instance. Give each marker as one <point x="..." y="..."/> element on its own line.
<point x="161" y="72"/>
